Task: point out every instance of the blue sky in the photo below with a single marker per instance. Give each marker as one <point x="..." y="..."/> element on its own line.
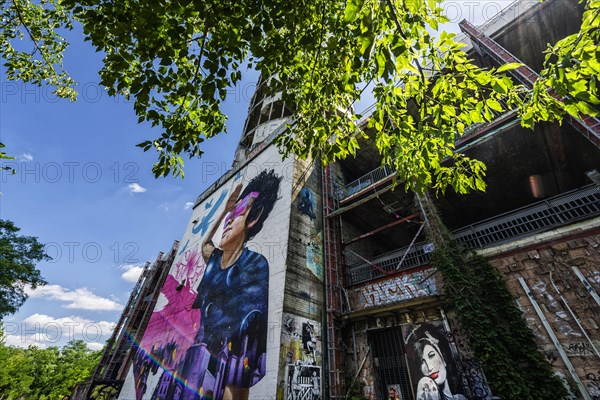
<point x="84" y="189"/>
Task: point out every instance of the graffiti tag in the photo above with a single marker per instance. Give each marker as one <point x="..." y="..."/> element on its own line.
<point x="579" y="349"/>
<point x="400" y="288"/>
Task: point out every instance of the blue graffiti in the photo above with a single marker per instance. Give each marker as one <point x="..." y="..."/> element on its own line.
<point x="183" y="248"/>
<point x="306" y="203"/>
<point x="202" y="226"/>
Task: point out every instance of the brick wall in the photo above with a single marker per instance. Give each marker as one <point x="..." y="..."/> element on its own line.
<point x="548" y="270"/>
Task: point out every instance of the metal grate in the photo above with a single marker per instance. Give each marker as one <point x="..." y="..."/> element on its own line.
<point x="390" y="262"/>
<point x="538" y="217"/>
<point x="389" y="363"/>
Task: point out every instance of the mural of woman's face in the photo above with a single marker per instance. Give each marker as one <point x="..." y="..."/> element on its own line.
<point x="433" y="365"/>
<point x="234" y="226"/>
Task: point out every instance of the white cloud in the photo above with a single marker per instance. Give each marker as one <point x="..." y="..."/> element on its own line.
<point x="136" y="188"/>
<point x="132" y="272"/>
<point x="26" y="157"/>
<point x="43" y="330"/>
<point x="80" y="298"/>
<point x="188" y="205"/>
<point x="24" y="341"/>
<point x="95" y="346"/>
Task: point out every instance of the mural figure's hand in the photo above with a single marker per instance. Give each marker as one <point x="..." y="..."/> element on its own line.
<point x="233" y="198"/>
<point x="427" y="389"/>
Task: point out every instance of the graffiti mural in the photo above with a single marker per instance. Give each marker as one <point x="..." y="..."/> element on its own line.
<point x="579" y="349"/>
<point x="593" y="385"/>
<point x="307" y="206"/>
<point x="212" y="209"/>
<point x="473" y="381"/>
<point x="207" y="336"/>
<point x="431" y="364"/>
<point x="306" y="203"/>
<point x="314" y="255"/>
<point x="400" y="288"/>
<point x="303" y="382"/>
<point x="301" y="353"/>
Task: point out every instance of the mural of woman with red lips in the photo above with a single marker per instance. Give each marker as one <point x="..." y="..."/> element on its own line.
<point x="432" y="365"/>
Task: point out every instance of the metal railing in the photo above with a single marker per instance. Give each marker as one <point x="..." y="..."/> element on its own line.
<point x="560" y="210"/>
<point x="389" y="262"/>
<point x="345" y="191"/>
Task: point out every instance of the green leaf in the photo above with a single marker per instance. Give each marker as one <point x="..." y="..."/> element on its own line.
<point x="508" y="67"/>
<point x="494" y="105"/>
<point x="352" y="10"/>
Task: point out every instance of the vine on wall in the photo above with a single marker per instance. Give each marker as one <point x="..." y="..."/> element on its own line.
<point x="496" y="331"/>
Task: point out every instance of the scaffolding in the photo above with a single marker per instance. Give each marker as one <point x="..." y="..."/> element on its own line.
<point x="333" y="282"/>
<point x="109" y="374"/>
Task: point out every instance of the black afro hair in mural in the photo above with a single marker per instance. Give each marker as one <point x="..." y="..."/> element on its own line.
<point x="267" y="185"/>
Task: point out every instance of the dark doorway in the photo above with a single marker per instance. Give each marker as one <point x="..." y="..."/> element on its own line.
<point x="389" y="363"/>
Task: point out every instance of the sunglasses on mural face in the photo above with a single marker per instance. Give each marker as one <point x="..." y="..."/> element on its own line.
<point x="240" y="207"/>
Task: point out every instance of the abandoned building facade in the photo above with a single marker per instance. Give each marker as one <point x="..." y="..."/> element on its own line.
<point x="326" y="287"/>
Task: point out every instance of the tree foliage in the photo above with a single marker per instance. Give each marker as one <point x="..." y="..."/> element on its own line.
<point x="571" y="71"/>
<point x="40" y="374"/>
<point x="178" y="59"/>
<point x="39" y="58"/>
<point x="32" y="47"/>
<point x="18" y="258"/>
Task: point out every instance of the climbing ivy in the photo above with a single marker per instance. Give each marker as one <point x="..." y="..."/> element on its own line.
<point x="496" y="330"/>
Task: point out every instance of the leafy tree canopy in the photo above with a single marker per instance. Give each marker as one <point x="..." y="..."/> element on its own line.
<point x="177" y="59"/>
<point x="18" y="258"/>
<point x="51" y="373"/>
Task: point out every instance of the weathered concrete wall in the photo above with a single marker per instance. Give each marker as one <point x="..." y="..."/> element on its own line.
<point x="548" y="270"/>
<point x="304" y="274"/>
<point x="300" y="372"/>
<point x="547" y="24"/>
